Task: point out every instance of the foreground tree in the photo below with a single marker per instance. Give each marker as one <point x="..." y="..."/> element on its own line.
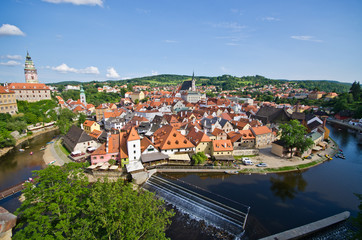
<point x="61" y="204"/>
<point x="293" y="136"/>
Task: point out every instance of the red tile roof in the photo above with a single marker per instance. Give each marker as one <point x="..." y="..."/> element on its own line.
<point x="27" y="86"/>
<point x="168" y="137"/>
<point x="222" y="145"/>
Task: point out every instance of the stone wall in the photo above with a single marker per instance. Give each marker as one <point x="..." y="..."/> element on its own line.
<point x="7" y="222"/>
<point x="244" y="152"/>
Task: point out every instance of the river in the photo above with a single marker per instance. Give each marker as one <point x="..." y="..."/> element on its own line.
<point x="16" y="166"/>
<point x="278" y="201"/>
<point x="286" y="200"/>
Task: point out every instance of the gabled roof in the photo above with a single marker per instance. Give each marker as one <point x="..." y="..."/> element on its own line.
<point x="222" y="145"/>
<point x="5" y="90"/>
<point x="168" y="137"/>
<point x="217" y="132"/>
<point x="261" y="130"/>
<point x="197" y="136"/>
<point x="234" y="136"/>
<point x="133" y="135"/>
<point x="145" y="143"/>
<point x="247" y="134"/>
<point x="76" y="135"/>
<point x="88" y="123"/>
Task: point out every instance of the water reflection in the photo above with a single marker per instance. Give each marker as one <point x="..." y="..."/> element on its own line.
<point x="287" y="185"/>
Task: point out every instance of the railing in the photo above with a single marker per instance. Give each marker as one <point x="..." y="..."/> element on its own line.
<point x="190" y="167"/>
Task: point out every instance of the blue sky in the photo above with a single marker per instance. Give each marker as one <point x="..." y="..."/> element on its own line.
<point x="87" y="40"/>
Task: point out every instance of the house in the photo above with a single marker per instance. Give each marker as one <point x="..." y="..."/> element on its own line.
<point x="124" y="147"/>
<point x="201" y="141"/>
<point x="89" y="126"/>
<point x="150" y="155"/>
<point x="8" y="102"/>
<point x="315" y="95"/>
<point x="103" y="108"/>
<point x="137" y="95"/>
<point x="218" y="134"/>
<point x="263" y="136"/>
<point x="100" y="136"/>
<point x="279" y="149"/>
<point x="224" y="125"/>
<point x="242" y="139"/>
<point x="77" y="140"/>
<point x="169" y="141"/>
<point x="114" y="123"/>
<point x="222" y="150"/>
<point x="271" y="115"/>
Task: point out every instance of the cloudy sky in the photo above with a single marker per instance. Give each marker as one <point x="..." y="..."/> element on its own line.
<point x="88" y="40"/>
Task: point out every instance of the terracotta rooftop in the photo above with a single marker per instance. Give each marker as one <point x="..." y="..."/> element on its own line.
<point x="261" y="130"/>
<point x="168" y="137"/>
<point x="222" y="145"/>
<point x="88" y="123"/>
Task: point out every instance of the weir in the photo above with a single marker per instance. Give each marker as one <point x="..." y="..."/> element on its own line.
<point x="201" y="204"/>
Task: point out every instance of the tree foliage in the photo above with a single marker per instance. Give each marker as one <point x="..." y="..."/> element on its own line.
<point x="199" y="158"/>
<point x="293" y="136"/>
<point x="65" y="120"/>
<point x="61" y="204"/>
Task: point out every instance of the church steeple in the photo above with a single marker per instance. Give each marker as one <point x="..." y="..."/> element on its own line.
<point x="31" y="74"/>
<point x="82" y="96"/>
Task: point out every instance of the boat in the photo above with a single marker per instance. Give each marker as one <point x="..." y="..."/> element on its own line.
<point x="231" y="172"/>
<point x="43" y="148"/>
<point x="49" y="142"/>
<point x="51" y="162"/>
<point x="21" y="150"/>
<point x="31" y="153"/>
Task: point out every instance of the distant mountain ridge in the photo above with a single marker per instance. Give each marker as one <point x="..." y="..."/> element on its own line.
<point x="224" y="82"/>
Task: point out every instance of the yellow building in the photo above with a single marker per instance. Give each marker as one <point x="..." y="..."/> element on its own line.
<point x="7" y="101"/>
<point x="200" y="140"/>
<point x="137" y="95"/>
<point x="90" y="126"/>
<point x="221" y="147"/>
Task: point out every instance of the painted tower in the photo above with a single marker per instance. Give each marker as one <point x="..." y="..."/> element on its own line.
<point x="133" y="145"/>
<point x="82" y="96"/>
<point x="31" y="75"/>
<point x="193" y="83"/>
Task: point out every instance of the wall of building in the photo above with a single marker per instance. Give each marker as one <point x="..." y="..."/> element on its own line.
<point x="8" y="103"/>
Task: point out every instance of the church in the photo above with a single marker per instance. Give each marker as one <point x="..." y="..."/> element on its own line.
<point x="188" y="91"/>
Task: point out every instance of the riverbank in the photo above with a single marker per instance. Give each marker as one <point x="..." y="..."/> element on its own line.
<point x="4" y="151"/>
<point x="277" y="164"/>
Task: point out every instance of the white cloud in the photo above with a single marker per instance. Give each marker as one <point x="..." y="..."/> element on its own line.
<point x="64" y="68"/>
<point x="12" y="57"/>
<point x="306" y="38"/>
<point x="10" y="30"/>
<point x="270" y="19"/>
<point x="143" y="11"/>
<point x="78" y="2"/>
<point x="112" y="73"/>
<point x="154" y="73"/>
<point x="10" y="63"/>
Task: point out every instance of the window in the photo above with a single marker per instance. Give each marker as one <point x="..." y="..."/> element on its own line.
<point x="134" y="145"/>
<point x="102" y="157"/>
<point x="134" y="151"/>
<point x="94" y="158"/>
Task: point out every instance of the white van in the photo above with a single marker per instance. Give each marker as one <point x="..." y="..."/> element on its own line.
<point x="247" y="161"/>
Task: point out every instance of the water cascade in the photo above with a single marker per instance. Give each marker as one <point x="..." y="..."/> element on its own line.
<point x="200" y="204"/>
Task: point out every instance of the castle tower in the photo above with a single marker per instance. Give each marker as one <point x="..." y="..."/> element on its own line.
<point x="31" y="75"/>
<point x="82" y="96"/>
<point x="133" y="145"/>
<point x="193" y="83"/>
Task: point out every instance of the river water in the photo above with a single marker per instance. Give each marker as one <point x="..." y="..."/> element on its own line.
<point x="286" y="200"/>
<point x="278" y="201"/>
<point x="17" y="166"/>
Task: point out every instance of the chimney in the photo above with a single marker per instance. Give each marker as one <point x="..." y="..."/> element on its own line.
<point x="181" y="113"/>
<point x="153" y="139"/>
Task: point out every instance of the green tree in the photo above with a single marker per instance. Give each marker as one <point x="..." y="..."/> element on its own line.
<point x="65" y="120"/>
<point x="199" y="158"/>
<point x="81" y="119"/>
<point x="136" y="101"/>
<point x="356" y="90"/>
<point x="293" y="136"/>
<point x="61" y="204"/>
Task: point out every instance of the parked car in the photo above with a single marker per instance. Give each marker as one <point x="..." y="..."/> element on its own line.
<point x="261" y="165"/>
<point x="247" y="161"/>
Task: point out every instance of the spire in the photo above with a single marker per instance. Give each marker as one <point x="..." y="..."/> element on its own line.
<point x="193" y="82"/>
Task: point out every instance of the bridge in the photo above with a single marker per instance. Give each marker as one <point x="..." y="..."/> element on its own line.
<point x="12" y="190"/>
<point x="214" y="209"/>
